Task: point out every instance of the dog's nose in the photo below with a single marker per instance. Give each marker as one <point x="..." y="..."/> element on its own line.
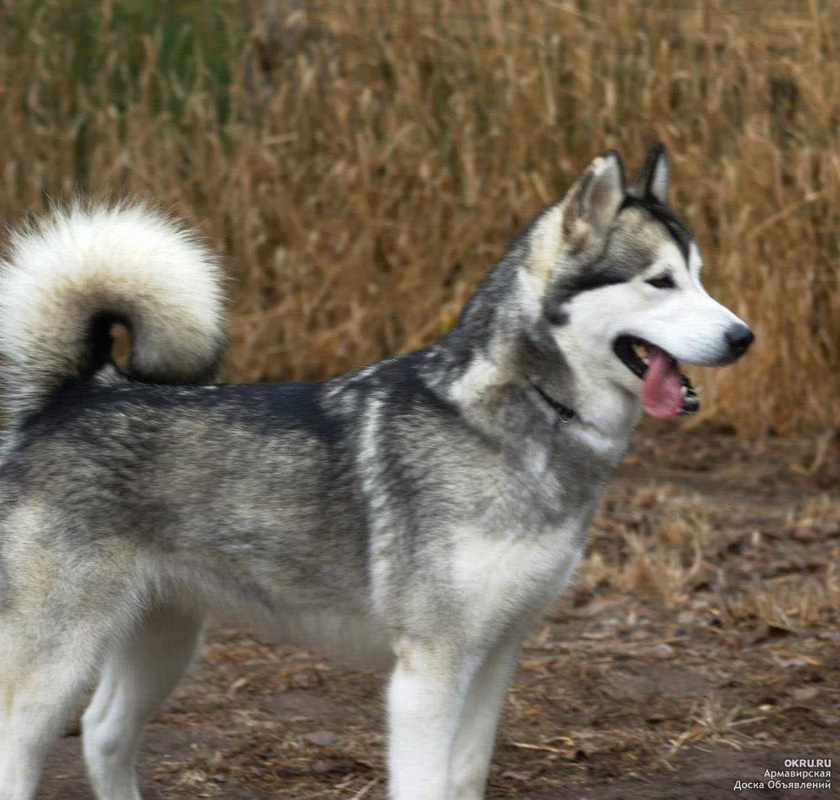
<point x="739" y="338"/>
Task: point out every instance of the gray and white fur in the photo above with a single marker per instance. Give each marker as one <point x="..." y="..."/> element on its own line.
<point x="422" y="511"/>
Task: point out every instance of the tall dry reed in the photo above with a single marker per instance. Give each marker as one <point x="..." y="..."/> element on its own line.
<point x="363" y="164"/>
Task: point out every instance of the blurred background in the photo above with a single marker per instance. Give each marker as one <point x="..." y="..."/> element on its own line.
<point x="361" y="166"/>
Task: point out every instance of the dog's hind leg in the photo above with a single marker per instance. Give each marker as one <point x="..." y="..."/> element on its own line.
<point x="476" y="736"/>
<point x="138" y="675"/>
<point x="41" y="679"/>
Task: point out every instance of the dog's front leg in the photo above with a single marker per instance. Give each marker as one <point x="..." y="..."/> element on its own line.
<point x="473" y="747"/>
<point x="425" y="699"/>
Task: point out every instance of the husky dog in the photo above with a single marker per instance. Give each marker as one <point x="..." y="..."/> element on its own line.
<point x="425" y="508"/>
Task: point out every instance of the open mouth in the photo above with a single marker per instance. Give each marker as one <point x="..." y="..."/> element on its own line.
<point x="666" y="392"/>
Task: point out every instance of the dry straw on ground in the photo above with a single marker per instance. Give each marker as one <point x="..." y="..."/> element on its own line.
<point x="363" y="164"/>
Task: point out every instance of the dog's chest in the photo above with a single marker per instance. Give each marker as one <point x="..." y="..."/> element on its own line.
<point x="513" y="573"/>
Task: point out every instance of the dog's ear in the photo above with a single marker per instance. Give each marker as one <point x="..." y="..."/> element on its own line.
<point x="597" y="196"/>
<point x="652" y="179"/>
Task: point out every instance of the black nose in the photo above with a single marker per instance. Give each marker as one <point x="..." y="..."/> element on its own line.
<point x="739" y="338"/>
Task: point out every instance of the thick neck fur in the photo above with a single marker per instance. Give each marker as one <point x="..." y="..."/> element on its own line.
<point x="502" y="349"/>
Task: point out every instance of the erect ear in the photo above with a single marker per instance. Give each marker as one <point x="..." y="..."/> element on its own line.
<point x="652" y="179"/>
<point x="598" y="194"/>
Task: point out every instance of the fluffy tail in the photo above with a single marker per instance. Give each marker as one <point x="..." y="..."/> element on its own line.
<point x="69" y="278"/>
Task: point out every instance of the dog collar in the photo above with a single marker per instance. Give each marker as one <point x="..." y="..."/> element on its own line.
<point x="564" y="413"/>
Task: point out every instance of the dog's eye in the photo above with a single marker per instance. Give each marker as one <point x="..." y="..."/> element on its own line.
<point x="662" y="281"/>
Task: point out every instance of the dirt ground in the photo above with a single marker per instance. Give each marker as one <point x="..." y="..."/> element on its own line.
<point x="699" y="646"/>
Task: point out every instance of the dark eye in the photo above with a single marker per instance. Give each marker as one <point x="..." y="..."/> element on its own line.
<point x="662" y="282"/>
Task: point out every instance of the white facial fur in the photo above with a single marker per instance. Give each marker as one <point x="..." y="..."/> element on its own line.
<point x="683" y="320"/>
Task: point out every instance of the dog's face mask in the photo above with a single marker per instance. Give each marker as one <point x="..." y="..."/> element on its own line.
<point x="622" y="295"/>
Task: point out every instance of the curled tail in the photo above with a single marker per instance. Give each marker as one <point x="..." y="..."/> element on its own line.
<point x="69" y="278"/>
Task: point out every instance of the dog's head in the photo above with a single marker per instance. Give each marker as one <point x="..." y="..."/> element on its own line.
<point x="612" y="279"/>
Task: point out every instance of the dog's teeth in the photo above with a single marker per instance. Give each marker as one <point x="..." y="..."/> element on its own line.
<point x="684" y="390"/>
<point x="641" y="351"/>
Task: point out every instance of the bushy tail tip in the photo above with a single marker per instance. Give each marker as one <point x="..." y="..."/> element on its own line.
<point x="69" y="277"/>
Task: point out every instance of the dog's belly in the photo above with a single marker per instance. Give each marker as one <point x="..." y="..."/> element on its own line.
<point x="323" y="613"/>
<point x="352" y="639"/>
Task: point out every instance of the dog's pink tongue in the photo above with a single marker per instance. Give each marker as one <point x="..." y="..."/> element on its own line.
<point x="662" y="391"/>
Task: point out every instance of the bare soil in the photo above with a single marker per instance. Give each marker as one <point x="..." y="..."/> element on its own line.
<point x="699" y="646"/>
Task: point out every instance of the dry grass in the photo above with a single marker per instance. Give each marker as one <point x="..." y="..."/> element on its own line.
<point x="677" y="550"/>
<point x="658" y="540"/>
<point x="364" y="164"/>
<point x="789" y="603"/>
